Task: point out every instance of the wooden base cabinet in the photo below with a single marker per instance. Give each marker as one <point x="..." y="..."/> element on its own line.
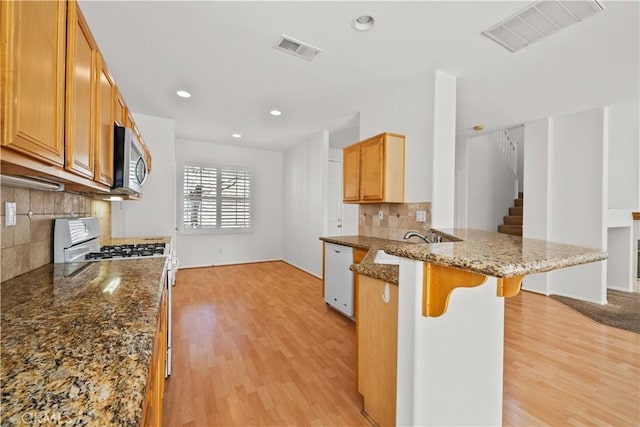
<point x="376" y="347"/>
<point x="152" y="409"/>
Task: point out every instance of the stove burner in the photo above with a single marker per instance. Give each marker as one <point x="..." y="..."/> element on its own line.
<point x="126" y="251"/>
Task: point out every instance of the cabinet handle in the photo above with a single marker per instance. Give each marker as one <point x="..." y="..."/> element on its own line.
<point x="385" y="295"/>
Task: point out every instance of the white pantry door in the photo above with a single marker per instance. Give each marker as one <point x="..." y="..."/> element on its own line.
<point x="334" y="220"/>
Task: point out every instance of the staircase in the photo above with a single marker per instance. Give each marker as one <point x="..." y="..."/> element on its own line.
<point x="513" y="221"/>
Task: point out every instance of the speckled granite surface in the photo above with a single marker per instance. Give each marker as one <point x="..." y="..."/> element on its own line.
<point x="77" y="341"/>
<point x="497" y="255"/>
<point x="493" y="254"/>
<point x="137" y="240"/>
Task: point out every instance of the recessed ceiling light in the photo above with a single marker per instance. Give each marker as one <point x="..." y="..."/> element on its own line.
<point x="364" y="23"/>
<point x="183" y="94"/>
<point x="236" y="135"/>
<point x="275" y="112"/>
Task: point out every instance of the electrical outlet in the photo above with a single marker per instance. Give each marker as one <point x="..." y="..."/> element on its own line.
<point x="421" y="216"/>
<point x="380" y="215"/>
<point x="10" y="214"/>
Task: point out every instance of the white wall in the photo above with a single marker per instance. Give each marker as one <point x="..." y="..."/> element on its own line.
<point x="566" y="191"/>
<point x="444" y="151"/>
<point x="621" y="269"/>
<point x="624" y="158"/>
<point x="537" y="159"/>
<point x="154" y="214"/>
<point x="577" y="199"/>
<point x="462" y="182"/>
<point x="406" y="107"/>
<point x="340" y="138"/>
<point x="422" y="108"/>
<point x="490" y="184"/>
<point x="305" y="169"/>
<point x="265" y="242"/>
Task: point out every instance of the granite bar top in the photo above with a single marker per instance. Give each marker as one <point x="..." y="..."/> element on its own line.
<point x="385" y="272"/>
<point x="497" y="255"/>
<point x="77" y="341"/>
<point x="492" y="254"/>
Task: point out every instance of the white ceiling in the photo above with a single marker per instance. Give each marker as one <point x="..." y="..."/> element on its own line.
<point x="222" y="53"/>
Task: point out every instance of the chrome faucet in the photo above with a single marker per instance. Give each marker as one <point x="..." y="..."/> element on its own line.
<point x="430" y="238"/>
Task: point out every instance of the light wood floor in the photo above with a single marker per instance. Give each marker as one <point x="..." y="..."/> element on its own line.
<point x="256" y="345"/>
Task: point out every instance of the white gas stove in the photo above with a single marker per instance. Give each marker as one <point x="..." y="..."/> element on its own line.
<point x="78" y="240"/>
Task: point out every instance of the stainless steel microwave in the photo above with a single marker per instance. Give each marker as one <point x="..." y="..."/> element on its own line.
<point x="129" y="166"/>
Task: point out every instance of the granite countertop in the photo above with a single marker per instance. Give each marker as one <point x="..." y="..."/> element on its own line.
<point x="137" y="240"/>
<point x="497" y="255"/>
<point x="492" y="254"/>
<point x="77" y="341"/>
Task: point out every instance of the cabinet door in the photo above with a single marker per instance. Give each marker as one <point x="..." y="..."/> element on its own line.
<point x="152" y="407"/>
<point x="32" y="53"/>
<point x="81" y="78"/>
<point x="119" y="109"/>
<point x="104" y="125"/>
<point x="372" y="169"/>
<point x="351" y="173"/>
<point x="377" y="341"/>
<point x="145" y="150"/>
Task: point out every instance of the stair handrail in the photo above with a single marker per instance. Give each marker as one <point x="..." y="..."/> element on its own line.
<point x="508" y="148"/>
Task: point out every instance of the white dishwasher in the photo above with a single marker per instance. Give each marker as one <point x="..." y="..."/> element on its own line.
<point x="338" y="279"/>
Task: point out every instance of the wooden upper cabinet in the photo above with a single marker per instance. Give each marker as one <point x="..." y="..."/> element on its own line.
<point x="373" y="170"/>
<point x="58" y="102"/>
<point x="82" y="73"/>
<point x="371" y="165"/>
<point x="351" y="173"/>
<point x="119" y="109"/>
<point x="32" y="54"/>
<point x="105" y="94"/>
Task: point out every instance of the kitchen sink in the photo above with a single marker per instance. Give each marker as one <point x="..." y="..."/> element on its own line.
<point x="384" y="258"/>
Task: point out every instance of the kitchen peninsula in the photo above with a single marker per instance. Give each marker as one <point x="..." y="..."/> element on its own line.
<point x="450" y="320"/>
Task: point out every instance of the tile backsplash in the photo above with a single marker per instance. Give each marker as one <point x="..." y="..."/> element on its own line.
<point x="29" y="244"/>
<point x="398" y="218"/>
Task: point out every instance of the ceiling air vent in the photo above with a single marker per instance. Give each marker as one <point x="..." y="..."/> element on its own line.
<point x="297" y="48"/>
<point x="540" y="19"/>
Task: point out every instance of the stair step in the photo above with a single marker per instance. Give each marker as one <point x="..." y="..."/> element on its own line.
<point x="518" y="203"/>
<point x="512" y="220"/>
<point x="516" y="211"/>
<point x="520" y="195"/>
<point x="515" y="230"/>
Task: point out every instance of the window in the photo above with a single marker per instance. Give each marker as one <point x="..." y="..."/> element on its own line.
<point x="214" y="198"/>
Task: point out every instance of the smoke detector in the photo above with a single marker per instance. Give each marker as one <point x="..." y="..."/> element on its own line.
<point x="297" y="48"/>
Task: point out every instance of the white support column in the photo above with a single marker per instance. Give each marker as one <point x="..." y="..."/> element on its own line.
<point x="537" y="158"/>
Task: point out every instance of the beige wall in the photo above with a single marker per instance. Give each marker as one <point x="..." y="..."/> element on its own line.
<point x="398" y="219"/>
<point x="29" y="244"/>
